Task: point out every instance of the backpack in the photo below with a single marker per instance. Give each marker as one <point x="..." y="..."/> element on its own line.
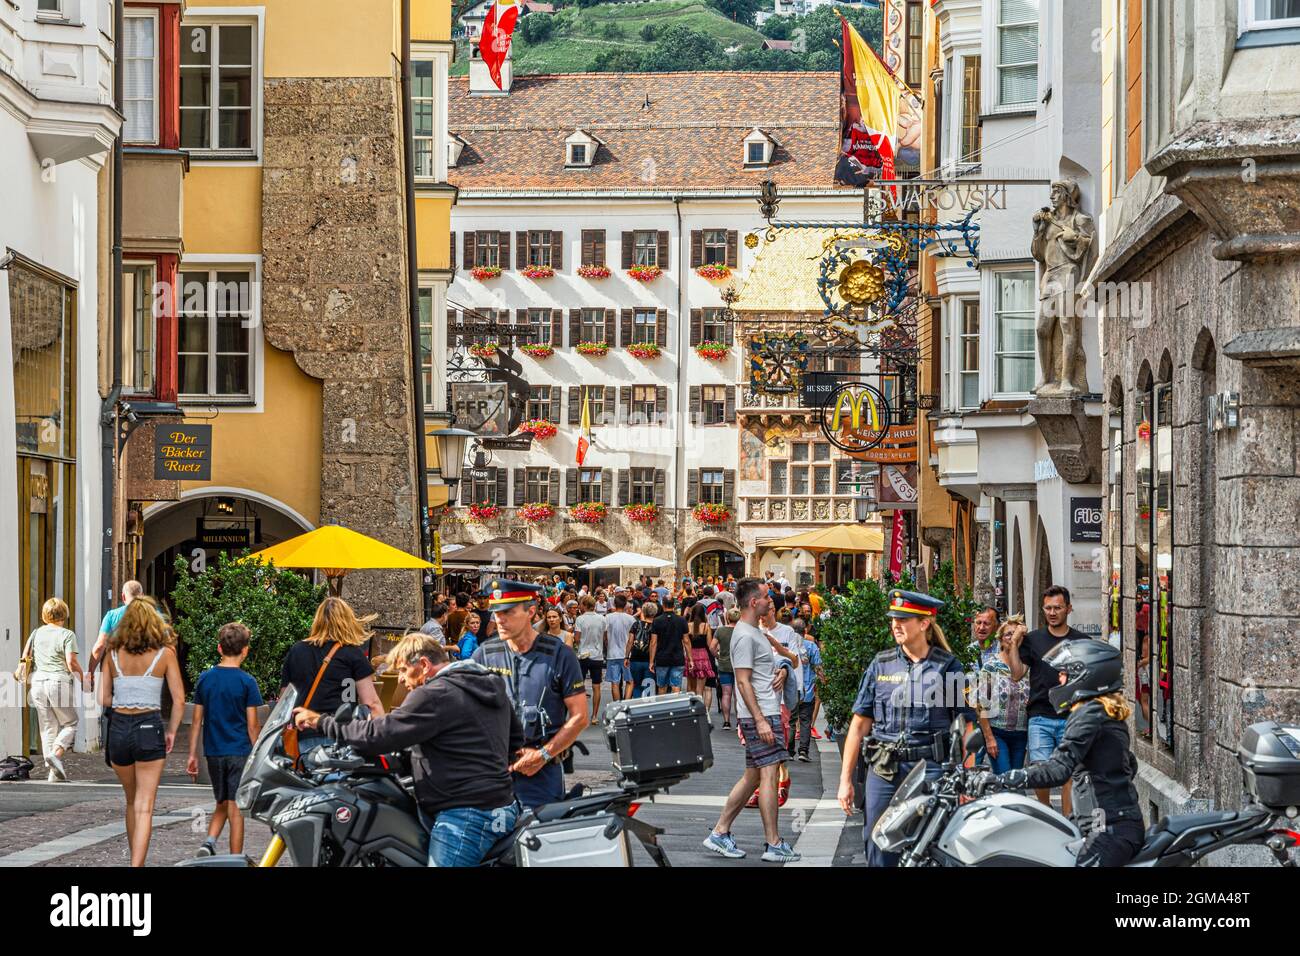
<point x="16" y="768"/>
<point x="641" y="637"/>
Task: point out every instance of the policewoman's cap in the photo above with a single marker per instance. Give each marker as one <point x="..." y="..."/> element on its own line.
<point x="912" y="604"/>
<point x="503" y="593"/>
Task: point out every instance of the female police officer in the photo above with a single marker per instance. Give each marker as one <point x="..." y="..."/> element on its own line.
<point x="905" y="706"/>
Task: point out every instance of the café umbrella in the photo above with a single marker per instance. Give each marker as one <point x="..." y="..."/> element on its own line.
<point x="336" y="550"/>
<point x="840" y="539"/>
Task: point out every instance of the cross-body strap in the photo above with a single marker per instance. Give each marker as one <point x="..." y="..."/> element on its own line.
<point x="320" y="673"/>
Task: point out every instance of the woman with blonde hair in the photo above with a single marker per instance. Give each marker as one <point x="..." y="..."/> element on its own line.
<point x="52" y="649"/>
<point x="329" y="666"/>
<point x="142" y="658"/>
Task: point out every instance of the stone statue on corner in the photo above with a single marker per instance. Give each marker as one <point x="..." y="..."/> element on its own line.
<point x="1063" y="239"/>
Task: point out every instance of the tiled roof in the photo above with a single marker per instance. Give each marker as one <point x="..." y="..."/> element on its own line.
<point x="689" y="136"/>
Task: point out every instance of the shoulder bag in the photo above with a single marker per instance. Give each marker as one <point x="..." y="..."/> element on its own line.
<point x="27" y="663"/>
<point x="290" y="737"/>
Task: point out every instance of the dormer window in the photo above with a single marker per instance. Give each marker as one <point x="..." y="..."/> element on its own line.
<point x="580" y="149"/>
<point x="454" y="147"/>
<point x="758" y="148"/>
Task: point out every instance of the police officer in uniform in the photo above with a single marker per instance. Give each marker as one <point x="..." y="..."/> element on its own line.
<point x="545" y="685"/>
<point x="904" y="710"/>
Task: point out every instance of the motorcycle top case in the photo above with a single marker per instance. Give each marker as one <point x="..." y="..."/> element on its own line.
<point x="659" y="738"/>
<point x="1269" y="755"/>
<point x="599" y="840"/>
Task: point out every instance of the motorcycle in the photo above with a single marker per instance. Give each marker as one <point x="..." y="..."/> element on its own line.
<point x="949" y="822"/>
<point x="339" y="808"/>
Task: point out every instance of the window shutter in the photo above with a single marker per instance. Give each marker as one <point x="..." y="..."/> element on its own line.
<point x="627" y="250"/>
<point x="557" y="249"/>
<point x="697" y="248"/>
<point x="555" y="486"/>
<point x="729" y="328"/>
<point x="625" y="402"/>
<point x="500" y="476"/>
<point x="503" y="249"/>
<point x="469" y="256"/>
<point x="733" y="248"/>
<point x="555" y="404"/>
<point x="697" y="326"/>
<point x="521" y="318"/>
<point x="610" y="318"/>
<point x="729" y="413"/>
<point x="557" y="328"/>
<point x="729" y="487"/>
<point x="521" y="249"/>
<point x="452" y="338"/>
<point x="571" y="486"/>
<point x="521" y="486"/>
<point x="452" y="250"/>
<point x="661" y="328"/>
<point x="587" y="256"/>
<point x="625" y="333"/>
<point x="661" y="482"/>
<point x="661" y="404"/>
<point x="662" y="259"/>
<point x="624" y="486"/>
<point x="598" y="247"/>
<point x="696" y="404"/>
<point x="692" y="487"/>
<point x="575" y="327"/>
<point x="606" y="485"/>
<point x="575" y="404"/>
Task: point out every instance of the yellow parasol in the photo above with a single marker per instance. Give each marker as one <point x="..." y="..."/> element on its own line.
<point x="843" y="538"/>
<point x="336" y="551"/>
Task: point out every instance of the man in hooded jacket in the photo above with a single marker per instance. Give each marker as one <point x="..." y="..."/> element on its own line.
<point x="461" y="730"/>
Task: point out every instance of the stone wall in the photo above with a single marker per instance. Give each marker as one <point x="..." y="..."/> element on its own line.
<point x="334" y="294"/>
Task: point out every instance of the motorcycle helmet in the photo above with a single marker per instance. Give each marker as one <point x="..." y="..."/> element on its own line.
<point x="1091" y="668"/>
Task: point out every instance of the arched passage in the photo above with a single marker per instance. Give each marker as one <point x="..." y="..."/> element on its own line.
<point x="716" y="557"/>
<point x="589" y="549"/>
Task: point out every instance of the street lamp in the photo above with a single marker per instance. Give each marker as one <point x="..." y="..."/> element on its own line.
<point x="451" y="452"/>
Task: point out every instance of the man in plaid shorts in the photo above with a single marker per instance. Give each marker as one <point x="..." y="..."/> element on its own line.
<point x="759" y="703"/>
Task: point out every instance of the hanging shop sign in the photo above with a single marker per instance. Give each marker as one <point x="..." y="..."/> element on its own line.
<point x="896" y="446"/>
<point x="481" y="407"/>
<point x="222" y="539"/>
<point x="855" y="417"/>
<point x="183" y="451"/>
<point x="1085" y="520"/>
<point x="777" y="361"/>
<point x="896" y="486"/>
<point x="512" y="443"/>
<point x="816" y="387"/>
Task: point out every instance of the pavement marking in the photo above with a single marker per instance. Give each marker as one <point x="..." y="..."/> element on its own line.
<point x="709" y="800"/>
<point x="69" y="784"/>
<point x="73" y="842"/>
<point x="819" y="836"/>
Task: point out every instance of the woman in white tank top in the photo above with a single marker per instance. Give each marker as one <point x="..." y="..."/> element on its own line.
<point x="141" y="662"/>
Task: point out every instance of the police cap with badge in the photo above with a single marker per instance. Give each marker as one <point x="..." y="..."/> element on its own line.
<point x="503" y="594"/>
<point x="912" y="604"/>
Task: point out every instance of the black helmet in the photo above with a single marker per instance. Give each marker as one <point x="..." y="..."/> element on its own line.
<point x="1092" y="668"/>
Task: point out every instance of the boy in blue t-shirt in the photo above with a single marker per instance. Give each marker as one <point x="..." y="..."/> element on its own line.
<point x="810" y="660"/>
<point x="225" y="707"/>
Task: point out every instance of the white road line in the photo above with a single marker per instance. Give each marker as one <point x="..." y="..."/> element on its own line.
<point x="707" y="800"/>
<point x="79" y="841"/>
<point x="20" y="785"/>
<point x="819" y="836"/>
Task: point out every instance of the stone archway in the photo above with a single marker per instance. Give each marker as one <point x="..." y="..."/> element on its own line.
<point x="586" y="549"/>
<point x="716" y="556"/>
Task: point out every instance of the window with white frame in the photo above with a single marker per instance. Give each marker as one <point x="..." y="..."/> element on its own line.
<point x="971" y="133"/>
<point x="591" y="326"/>
<point x="755" y="153"/>
<point x="426" y="346"/>
<point x="714" y="325"/>
<point x="137" y="327"/>
<point x="537" y="485"/>
<point x="140" y="77"/>
<point x="1014" y="333"/>
<point x="589" y="484"/>
<point x="487" y="244"/>
<point x="1017" y="52"/>
<point x="215" y="344"/>
<point x="422" y="114"/>
<point x="645" y="326"/>
<point x="715" y="246"/>
<point x="643" y="486"/>
<point x="595" y="395"/>
<point x="50" y="7"/>
<point x="539" y="247"/>
<point x="713" y="404"/>
<point x="218" y="86"/>
<point x="645" y="248"/>
<point x="539" y="402"/>
<point x="1269" y="14"/>
<point x="540" y="320"/>
<point x="968" y="353"/>
<point x="711" y="486"/>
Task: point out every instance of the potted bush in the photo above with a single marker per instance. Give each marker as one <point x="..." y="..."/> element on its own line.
<point x="713" y="351"/>
<point x="540" y="428"/>
<point x="483" y="511"/>
<point x="594" y="272"/>
<point x="642" y="514"/>
<point x="593" y="349"/>
<point x="645" y="273"/>
<point x="644" y="350"/>
<point x="536" y="511"/>
<point x="483" y="349"/>
<point x="537" y="350"/>
<point x="537" y="272"/>
<point x="708" y="513"/>
<point x="713" y="271"/>
<point x="588" y="512"/>
<point x="483" y="273"/>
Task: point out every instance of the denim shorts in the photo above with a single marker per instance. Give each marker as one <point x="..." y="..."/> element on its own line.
<point x="669" y="676"/>
<point x="616" y="672"/>
<point x="726" y="678"/>
<point x="1045" y="735"/>
<point x="136" y="738"/>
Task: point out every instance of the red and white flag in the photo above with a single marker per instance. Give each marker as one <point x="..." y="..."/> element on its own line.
<point x="896" y="547"/>
<point x="494" y="44"/>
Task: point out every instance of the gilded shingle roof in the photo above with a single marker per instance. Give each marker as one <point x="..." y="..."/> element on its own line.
<point x="689" y="136"/>
<point x="784" y="273"/>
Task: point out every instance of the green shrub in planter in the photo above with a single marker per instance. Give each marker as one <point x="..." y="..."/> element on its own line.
<point x="276" y="605"/>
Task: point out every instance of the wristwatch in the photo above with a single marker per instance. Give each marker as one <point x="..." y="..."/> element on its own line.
<point x="546" y="754"/>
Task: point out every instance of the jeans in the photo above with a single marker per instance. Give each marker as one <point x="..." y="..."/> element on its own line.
<point x="641" y="674"/>
<point x="1045" y="735"/>
<point x="463" y="835"/>
<point x="804" y="715"/>
<point x="1011" y="749"/>
<point x="669" y="676"/>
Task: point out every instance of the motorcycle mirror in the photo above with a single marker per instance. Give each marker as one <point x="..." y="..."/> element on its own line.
<point x="974" y="740"/>
<point x="344" y="714"/>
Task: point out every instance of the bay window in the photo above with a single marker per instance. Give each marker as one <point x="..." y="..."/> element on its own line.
<point x="140" y="77"/>
<point x="137" y="328"/>
<point x="1017" y="52"/>
<point x="1014" y="330"/>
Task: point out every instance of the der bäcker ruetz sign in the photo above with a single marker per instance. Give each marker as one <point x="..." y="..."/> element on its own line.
<point x="183" y="452"/>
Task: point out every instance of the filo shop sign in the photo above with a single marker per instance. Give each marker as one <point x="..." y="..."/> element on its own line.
<point x="183" y="452"/>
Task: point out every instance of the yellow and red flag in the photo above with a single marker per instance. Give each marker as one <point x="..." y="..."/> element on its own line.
<point x="494" y="44"/>
<point x="584" y="439"/>
<point x="869" y="104"/>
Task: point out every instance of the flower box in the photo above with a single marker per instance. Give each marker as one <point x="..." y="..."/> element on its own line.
<point x="537" y="350"/>
<point x="588" y="512"/>
<point x="594" y="272"/>
<point x="714" y="351"/>
<point x="483" y="273"/>
<point x="642" y="514"/>
<point x="537" y="272"/>
<point x="540" y="428"/>
<point x="713" y="271"/>
<point x="711" y="514"/>
<point x="536" y="512"/>
<point x="644" y="350"/>
<point x="483" y="349"/>
<point x="596" y="349"/>
<point x="483" y="511"/>
<point x="645" y="273"/>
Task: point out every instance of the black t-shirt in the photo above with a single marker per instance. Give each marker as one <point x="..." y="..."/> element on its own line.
<point x="638" y="647"/>
<point x="669" y="629"/>
<point x="1042" y="677"/>
<point x="304" y="660"/>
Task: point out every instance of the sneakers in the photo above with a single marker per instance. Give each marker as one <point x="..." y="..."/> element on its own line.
<point x="815" y="734"/>
<point x="52" y="777"/>
<point x="726" y="725"/>
<point x="56" y="766"/>
<point x="803" y="757"/>
<point x="780" y="853"/>
<point x="209" y="848"/>
<point x="724" y="845"/>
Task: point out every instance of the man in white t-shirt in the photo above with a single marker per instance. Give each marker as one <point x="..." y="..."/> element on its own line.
<point x="590" y="628"/>
<point x="754" y="662"/>
<point x="618" y="624"/>
<point x="787" y="646"/>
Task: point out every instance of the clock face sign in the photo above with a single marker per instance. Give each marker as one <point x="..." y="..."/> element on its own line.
<point x="855" y="417"/>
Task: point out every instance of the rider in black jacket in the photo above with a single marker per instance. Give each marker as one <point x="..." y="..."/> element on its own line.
<point x="1094" y="753"/>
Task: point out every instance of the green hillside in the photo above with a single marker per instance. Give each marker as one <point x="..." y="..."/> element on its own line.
<point x="580" y="34"/>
